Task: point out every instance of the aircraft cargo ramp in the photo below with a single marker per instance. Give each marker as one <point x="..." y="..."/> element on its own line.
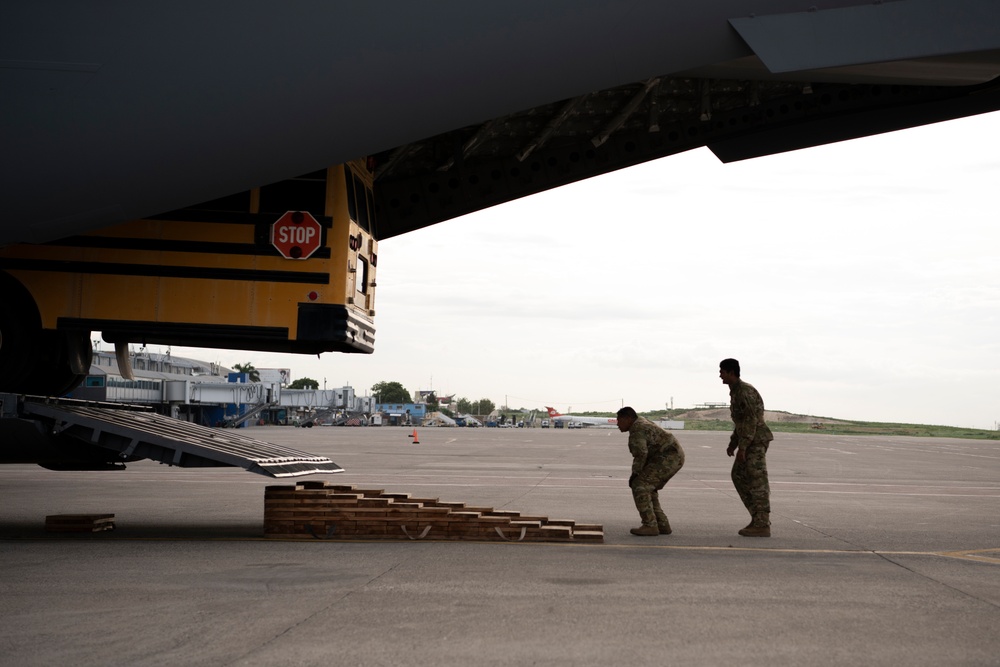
<point x="142" y="434"/>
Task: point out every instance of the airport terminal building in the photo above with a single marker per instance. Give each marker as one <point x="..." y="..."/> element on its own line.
<point x="212" y="395"/>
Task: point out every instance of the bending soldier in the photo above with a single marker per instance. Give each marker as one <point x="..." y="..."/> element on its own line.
<point x="656" y="457"/>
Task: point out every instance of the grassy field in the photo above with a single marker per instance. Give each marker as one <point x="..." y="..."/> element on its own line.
<point x="855" y="428"/>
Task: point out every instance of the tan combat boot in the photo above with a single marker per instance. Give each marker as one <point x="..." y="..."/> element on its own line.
<point x="645" y="531"/>
<point x="665" y="529"/>
<point x="756" y="531"/>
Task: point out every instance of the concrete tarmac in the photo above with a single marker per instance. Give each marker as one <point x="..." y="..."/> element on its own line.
<point x="885" y="551"/>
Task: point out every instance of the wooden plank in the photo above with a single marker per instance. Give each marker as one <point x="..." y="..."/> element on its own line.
<point x="588" y="535"/>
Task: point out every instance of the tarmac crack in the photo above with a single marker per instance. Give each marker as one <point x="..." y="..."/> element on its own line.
<point x="937" y="581"/>
<point x="857" y="547"/>
<point x="527" y="491"/>
<point x="313" y="615"/>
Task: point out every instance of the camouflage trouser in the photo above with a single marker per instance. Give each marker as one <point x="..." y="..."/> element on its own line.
<point x="647" y="484"/>
<point x="750" y="480"/>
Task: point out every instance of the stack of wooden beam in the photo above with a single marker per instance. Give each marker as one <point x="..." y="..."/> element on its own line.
<point x="322" y="510"/>
<point x="79" y="523"/>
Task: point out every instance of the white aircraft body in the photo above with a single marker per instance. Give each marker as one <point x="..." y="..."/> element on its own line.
<point x="579" y="419"/>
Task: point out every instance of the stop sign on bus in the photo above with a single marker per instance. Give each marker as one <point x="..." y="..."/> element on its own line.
<point x="296" y="235"/>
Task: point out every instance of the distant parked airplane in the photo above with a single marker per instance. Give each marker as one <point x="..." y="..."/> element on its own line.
<point x="577" y="419"/>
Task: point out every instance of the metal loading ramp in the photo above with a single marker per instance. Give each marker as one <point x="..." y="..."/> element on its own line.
<point x="139" y="435"/>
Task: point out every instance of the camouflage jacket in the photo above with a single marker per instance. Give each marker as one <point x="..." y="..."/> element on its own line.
<point x="648" y="442"/>
<point x="746" y="407"/>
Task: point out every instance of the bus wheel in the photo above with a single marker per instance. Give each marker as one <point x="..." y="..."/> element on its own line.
<point x="70" y="354"/>
<point x="20" y="331"/>
<point x="34" y="360"/>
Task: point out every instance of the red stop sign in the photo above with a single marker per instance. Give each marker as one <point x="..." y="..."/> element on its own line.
<point x="296" y="235"/>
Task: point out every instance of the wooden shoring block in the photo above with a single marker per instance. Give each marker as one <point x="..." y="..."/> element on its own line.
<point x="321" y="510"/>
<point x="557" y="531"/>
<point x="78" y="518"/>
<point x="428" y="501"/>
<point x="481" y="510"/>
<point x="588" y="527"/>
<point x="280" y="505"/>
<point x="588" y="535"/>
<point x="310" y="500"/>
<point x="467" y="531"/>
<point x="79" y="523"/>
<point x="374" y="502"/>
<point x="295" y="495"/>
<point x="435" y="511"/>
<point x="275" y="488"/>
<point x="306" y="516"/>
<point x="305" y="493"/>
<point x="314" y="484"/>
<point x="367" y="512"/>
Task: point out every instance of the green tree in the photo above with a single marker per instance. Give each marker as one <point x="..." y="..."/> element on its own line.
<point x="390" y="392"/>
<point x="304" y="383"/>
<point x="252" y="373"/>
<point x="483" y="406"/>
<point x="464" y="406"/>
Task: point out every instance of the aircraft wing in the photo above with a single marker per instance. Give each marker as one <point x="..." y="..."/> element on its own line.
<point x="119" y="111"/>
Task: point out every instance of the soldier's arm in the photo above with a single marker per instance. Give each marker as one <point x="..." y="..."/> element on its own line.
<point x="639" y="447"/>
<point x="746" y="423"/>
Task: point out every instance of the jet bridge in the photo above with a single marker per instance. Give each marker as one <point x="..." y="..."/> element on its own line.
<point x="82" y="435"/>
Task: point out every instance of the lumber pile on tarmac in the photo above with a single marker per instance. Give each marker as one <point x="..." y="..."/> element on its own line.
<point x="320" y="510"/>
<point x="79" y="523"/>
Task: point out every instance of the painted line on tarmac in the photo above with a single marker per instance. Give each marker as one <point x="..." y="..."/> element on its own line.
<point x="975" y="555"/>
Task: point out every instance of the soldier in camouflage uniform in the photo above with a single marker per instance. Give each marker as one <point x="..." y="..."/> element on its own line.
<point x="749" y="442"/>
<point x="656" y="457"/>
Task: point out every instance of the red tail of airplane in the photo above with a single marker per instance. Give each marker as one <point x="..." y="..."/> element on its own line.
<point x="552" y="412"/>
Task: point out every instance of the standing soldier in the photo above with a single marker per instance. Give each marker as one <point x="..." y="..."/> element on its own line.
<point x="656" y="457"/>
<point x="749" y="441"/>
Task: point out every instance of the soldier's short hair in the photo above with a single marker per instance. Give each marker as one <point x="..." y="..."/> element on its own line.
<point x="730" y="366"/>
<point x="627" y="412"/>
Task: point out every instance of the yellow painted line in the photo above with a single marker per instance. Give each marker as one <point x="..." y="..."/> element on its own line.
<point x="970" y="554"/>
<point x="976" y="555"/>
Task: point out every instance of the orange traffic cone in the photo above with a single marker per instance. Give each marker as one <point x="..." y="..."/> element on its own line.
<point x="414" y="436"/>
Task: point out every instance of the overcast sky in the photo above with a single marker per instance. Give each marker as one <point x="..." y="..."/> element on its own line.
<point x="859" y="280"/>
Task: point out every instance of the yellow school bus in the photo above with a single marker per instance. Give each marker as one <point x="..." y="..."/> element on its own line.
<point x="287" y="267"/>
